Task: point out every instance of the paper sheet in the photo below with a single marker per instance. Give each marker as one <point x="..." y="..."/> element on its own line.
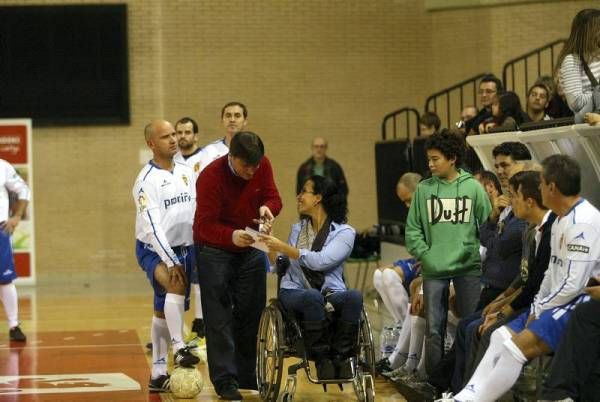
<point x="257" y="244"/>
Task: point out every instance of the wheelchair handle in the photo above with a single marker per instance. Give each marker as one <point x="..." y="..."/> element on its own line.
<point x="282" y="263"/>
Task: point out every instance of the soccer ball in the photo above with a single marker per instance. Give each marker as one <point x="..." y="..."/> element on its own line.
<point x="186" y="382"/>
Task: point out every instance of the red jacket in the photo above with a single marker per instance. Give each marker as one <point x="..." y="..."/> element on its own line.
<point x="226" y="202"/>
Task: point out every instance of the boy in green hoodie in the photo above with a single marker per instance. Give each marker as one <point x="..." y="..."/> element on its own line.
<point x="442" y="233"/>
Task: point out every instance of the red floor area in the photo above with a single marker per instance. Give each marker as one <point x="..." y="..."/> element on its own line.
<point x="69" y="366"/>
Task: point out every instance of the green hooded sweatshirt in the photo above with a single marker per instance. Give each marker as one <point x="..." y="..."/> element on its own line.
<point x="442" y="229"/>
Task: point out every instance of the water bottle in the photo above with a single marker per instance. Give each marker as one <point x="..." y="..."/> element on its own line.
<point x="387" y="343"/>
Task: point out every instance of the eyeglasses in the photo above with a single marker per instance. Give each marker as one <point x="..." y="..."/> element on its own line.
<point x="486" y="91"/>
<point x="303" y="191"/>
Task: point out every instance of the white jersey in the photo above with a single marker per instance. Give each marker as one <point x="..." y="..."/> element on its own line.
<point x="574" y="258"/>
<point x="10" y="181"/>
<point x="165" y="203"/>
<point x="193" y="161"/>
<point x="212" y="151"/>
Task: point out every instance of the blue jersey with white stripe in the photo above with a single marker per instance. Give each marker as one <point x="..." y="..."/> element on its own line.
<point x="165" y="205"/>
<point x="575" y="257"/>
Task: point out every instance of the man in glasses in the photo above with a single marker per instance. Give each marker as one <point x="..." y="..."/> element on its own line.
<point x="319" y="164"/>
<point x="490" y="87"/>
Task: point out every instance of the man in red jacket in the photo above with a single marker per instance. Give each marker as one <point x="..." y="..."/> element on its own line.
<point x="235" y="191"/>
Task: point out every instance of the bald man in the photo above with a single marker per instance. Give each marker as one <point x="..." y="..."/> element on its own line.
<point x="165" y="198"/>
<point x="319" y="164"/>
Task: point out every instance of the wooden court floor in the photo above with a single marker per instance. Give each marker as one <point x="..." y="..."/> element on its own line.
<point x="86" y="336"/>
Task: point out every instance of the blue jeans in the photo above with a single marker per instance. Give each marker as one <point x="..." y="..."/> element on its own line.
<point x="310" y="303"/>
<point x="435" y="296"/>
<point x="465" y="332"/>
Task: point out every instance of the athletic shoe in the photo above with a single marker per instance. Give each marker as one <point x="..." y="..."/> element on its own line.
<point x="185" y="358"/>
<point x="15" y="334"/>
<point x="383" y="365"/>
<point x="199" y="328"/>
<point x="229" y="392"/>
<point x="399" y="374"/>
<point x="160" y="384"/>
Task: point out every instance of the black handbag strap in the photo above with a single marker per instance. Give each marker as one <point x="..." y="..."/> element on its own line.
<point x="589" y="74"/>
<point x="317" y="278"/>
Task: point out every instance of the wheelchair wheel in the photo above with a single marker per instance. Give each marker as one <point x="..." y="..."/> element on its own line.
<point x="366" y="357"/>
<point x="269" y="357"/>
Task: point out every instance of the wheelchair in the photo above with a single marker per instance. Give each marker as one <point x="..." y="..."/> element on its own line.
<point x="280" y="337"/>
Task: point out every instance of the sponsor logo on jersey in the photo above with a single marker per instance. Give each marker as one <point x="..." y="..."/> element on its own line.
<point x="183" y="197"/>
<point x="452" y="210"/>
<point x="142" y="201"/>
<point x="578" y="248"/>
<point x="165" y="183"/>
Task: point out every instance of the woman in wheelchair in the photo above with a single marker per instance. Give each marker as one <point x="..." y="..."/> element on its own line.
<point x="313" y="284"/>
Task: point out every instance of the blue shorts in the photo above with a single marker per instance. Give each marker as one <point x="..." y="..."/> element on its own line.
<point x="551" y="324"/>
<point x="8" y="272"/>
<point x="408" y="266"/>
<point x="148" y="260"/>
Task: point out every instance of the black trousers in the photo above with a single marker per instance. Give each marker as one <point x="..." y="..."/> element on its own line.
<point x="233" y="292"/>
<point x="576" y="362"/>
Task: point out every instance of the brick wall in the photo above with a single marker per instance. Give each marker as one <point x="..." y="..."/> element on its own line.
<point x="303" y="68"/>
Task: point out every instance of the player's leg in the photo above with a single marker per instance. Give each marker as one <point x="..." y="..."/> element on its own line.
<point x="8" y="290"/>
<point x="398" y="297"/>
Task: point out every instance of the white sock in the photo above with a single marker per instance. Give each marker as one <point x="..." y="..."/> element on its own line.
<point x="159" y="334"/>
<point x="504" y="375"/>
<point x="174" y="316"/>
<point x="397" y="295"/>
<point x="8" y="294"/>
<point x="378" y="283"/>
<point x="487" y="364"/>
<point x="421" y="367"/>
<point x="417" y="334"/>
<point x="400" y="353"/>
<point x="197" y="301"/>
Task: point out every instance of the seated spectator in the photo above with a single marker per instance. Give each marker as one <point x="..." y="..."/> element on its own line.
<point x="507" y="114"/>
<point x="490" y="183"/>
<point x="557" y="105"/>
<point x="538" y="98"/>
<point x="429" y="123"/>
<point x="467" y="114"/>
<point x="580" y="51"/>
<point x="406" y="187"/>
<point x="574" y="259"/>
<point x="490" y="87"/>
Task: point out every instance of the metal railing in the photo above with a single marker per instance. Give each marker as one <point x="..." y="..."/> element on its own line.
<point x="397" y="117"/>
<point x="464" y="93"/>
<point x="529" y="67"/>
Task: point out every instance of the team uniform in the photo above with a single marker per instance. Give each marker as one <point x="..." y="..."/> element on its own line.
<point x="165" y="202"/>
<point x="10" y="181"/>
<point x="194" y="161"/>
<point x="211" y="152"/>
<point x="574" y="258"/>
